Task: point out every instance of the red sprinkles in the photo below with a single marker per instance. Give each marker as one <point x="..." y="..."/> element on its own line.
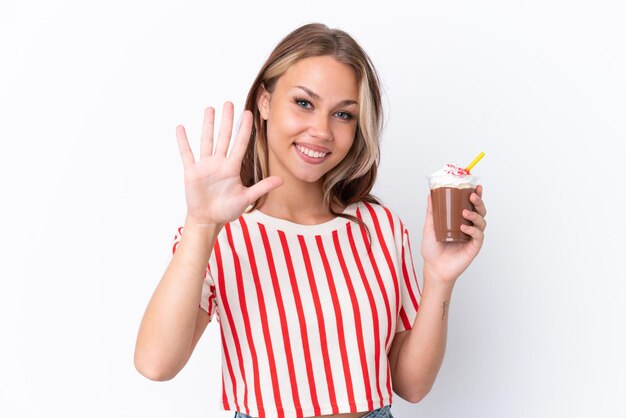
<point x="455" y="170"/>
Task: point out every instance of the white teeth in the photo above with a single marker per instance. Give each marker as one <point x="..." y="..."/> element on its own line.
<point x="311" y="153"/>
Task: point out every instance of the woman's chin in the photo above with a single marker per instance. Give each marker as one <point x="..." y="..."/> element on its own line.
<point x="311" y="179"/>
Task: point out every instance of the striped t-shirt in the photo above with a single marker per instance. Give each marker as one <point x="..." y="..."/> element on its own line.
<point x="308" y="312"/>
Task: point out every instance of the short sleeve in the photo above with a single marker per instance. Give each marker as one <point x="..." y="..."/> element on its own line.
<point x="410" y="291"/>
<point x="207" y="298"/>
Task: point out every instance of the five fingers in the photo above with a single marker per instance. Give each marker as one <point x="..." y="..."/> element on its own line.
<point x="207" y="143"/>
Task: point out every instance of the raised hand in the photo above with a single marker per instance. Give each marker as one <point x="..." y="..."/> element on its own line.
<point x="446" y="261"/>
<point x="213" y="188"/>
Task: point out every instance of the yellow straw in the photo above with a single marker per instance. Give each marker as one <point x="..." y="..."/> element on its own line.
<point x="476" y="160"/>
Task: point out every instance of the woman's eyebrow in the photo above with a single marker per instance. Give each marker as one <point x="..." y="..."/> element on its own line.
<point x="316" y="96"/>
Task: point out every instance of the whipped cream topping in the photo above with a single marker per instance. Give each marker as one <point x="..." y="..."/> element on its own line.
<point x="451" y="175"/>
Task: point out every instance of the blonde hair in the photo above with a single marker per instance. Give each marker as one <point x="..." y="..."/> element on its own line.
<point x="353" y="178"/>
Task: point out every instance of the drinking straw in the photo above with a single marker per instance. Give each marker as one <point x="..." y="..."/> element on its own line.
<point x="476" y="160"/>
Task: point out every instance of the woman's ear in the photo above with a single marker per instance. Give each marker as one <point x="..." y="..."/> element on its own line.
<point x="264" y="103"/>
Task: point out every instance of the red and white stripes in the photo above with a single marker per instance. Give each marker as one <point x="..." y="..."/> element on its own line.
<point x="308" y="313"/>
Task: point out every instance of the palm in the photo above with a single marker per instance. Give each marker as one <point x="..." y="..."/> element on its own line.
<point x="213" y="188"/>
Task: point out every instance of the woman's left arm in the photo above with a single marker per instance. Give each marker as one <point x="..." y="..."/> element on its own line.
<point x="416" y="354"/>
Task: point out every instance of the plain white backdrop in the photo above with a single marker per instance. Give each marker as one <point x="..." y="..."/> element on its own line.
<point x="92" y="190"/>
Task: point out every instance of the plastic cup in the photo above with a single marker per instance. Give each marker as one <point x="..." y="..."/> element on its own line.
<point x="450" y="195"/>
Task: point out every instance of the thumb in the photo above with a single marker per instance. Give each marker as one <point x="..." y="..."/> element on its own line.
<point x="429" y="208"/>
<point x="263" y="187"/>
<point x="428" y="222"/>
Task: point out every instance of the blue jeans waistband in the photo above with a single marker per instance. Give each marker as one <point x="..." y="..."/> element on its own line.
<point x="384" y="412"/>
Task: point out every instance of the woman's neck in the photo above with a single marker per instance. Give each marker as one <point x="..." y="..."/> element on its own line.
<point x="302" y="203"/>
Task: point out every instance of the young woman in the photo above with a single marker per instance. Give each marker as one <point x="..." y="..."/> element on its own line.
<point x="310" y="276"/>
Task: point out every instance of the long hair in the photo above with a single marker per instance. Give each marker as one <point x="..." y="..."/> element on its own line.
<point x="353" y="178"/>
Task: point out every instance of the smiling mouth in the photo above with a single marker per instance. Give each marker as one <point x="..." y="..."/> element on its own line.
<point x="310" y="153"/>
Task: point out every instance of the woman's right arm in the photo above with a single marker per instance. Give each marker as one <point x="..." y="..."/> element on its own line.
<point x="173" y="322"/>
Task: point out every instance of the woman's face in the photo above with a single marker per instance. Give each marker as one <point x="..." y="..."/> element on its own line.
<point x="311" y="118"/>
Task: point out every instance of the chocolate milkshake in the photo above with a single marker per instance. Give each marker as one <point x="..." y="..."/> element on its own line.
<point x="450" y="190"/>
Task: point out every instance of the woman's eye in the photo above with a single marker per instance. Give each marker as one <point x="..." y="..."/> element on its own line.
<point x="344" y="115"/>
<point x="302" y="103"/>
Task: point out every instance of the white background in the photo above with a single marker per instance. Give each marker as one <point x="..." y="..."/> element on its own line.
<point x="92" y="189"/>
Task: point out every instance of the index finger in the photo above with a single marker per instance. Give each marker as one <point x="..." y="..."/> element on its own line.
<point x="243" y="136"/>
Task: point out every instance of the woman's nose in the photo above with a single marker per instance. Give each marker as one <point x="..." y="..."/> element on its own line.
<point x="320" y="128"/>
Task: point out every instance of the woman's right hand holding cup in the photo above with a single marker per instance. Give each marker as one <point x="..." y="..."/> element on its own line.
<point x="214" y="192"/>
